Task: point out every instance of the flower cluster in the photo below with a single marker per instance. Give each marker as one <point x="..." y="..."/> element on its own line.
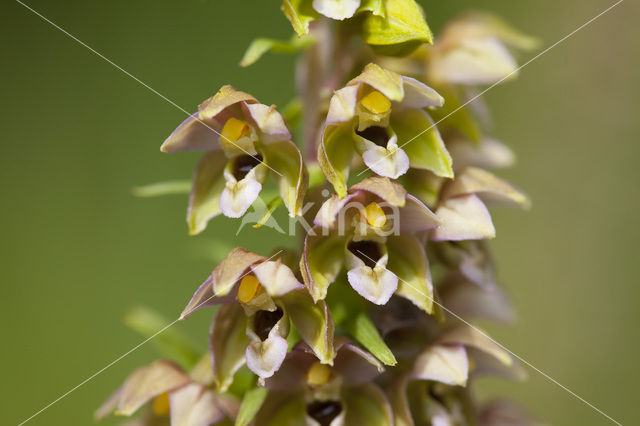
<point x="368" y="322"/>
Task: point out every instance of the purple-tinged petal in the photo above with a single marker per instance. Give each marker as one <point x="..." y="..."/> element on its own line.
<point x="202" y="298"/>
<point x="415" y="216"/>
<point x="485" y="364"/>
<point x="108" y="406"/>
<point x="228" y="342"/>
<point x="472" y="337"/>
<point x="194" y="405"/>
<point x="447" y="364"/>
<point x="469" y="300"/>
<point x="333" y="209"/>
<point x="487" y="153"/>
<point x="147" y="383"/>
<point x="464" y="218"/>
<point x="193" y="134"/>
<point x="505" y="412"/>
<point x="356" y="366"/>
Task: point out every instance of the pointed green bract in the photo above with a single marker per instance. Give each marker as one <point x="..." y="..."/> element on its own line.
<point x="420" y="139"/>
<point x="158" y="189"/>
<point x="365" y="332"/>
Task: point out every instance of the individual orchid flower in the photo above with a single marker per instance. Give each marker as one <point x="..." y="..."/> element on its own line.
<point x="380" y="116"/>
<point x="243" y="141"/>
<point x="172" y="395"/>
<point x="388" y="26"/>
<point x="259" y="298"/>
<point x="474" y="50"/>
<point x="305" y="391"/>
<point x="370" y="230"/>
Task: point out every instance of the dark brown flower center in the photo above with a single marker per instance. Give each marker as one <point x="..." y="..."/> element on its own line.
<point x="243" y="165"/>
<point x="375" y="134"/>
<point x="367" y="251"/>
<point x="264" y="321"/>
<point x="324" y="411"/>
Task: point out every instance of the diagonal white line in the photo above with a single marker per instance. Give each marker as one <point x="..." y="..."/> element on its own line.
<point x="127" y="73"/>
<point x="139" y="345"/>
<point x="524" y="361"/>
<point x="590" y="21"/>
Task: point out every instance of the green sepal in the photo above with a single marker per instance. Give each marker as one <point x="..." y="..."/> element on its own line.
<point x="285" y="158"/>
<point x="208" y="184"/>
<point x="420" y="139"/>
<point x="376" y="7"/>
<point x="251" y="403"/>
<point x="334" y="155"/>
<point x="262" y="45"/>
<point x="453" y="115"/>
<point x="266" y="214"/>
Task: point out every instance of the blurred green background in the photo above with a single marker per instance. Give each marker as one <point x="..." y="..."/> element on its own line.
<point x="78" y="250"/>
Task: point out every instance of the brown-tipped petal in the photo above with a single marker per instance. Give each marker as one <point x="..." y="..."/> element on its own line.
<point x="270" y="123"/>
<point x="322" y="260"/>
<point x="313" y="321"/>
<point x="356" y="366"/>
<point x="384" y="81"/>
<point x="232" y="268"/>
<point x="367" y="405"/>
<point x="194" y="405"/>
<point x="276" y="277"/>
<point x="408" y="261"/>
<point x="342" y="107"/>
<point x="228" y="342"/>
<point x="208" y="184"/>
<point x="193" y="134"/>
<point x="464" y="218"/>
<point x="225" y="97"/>
<point x="471" y="337"/>
<point x="415" y="216"/>
<point x="419" y="95"/>
<point x="148" y="382"/>
<point x="443" y="363"/>
<point x="384" y="188"/>
<point x="202" y="298"/>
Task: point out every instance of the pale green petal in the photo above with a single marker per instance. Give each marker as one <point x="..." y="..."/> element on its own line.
<point x="321" y="261"/>
<point x="473" y="337"/>
<point x="194" y="405"/>
<point x="464" y="218"/>
<point x="251" y="403"/>
<point x="384" y="188"/>
<point x="208" y="184"/>
<point x="226" y="96"/>
<point x="285" y="158"/>
<point x="365" y="332"/>
<point x="228" y="342"/>
<point x="235" y="266"/>
<point x="384" y="81"/>
<point x="334" y="155"/>
<point x="421" y="140"/>
<point x="276" y="277"/>
<point x="193" y="134"/>
<point x="408" y="260"/>
<point x="374" y="6"/>
<point x="342" y="106"/>
<point x="313" y="321"/>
